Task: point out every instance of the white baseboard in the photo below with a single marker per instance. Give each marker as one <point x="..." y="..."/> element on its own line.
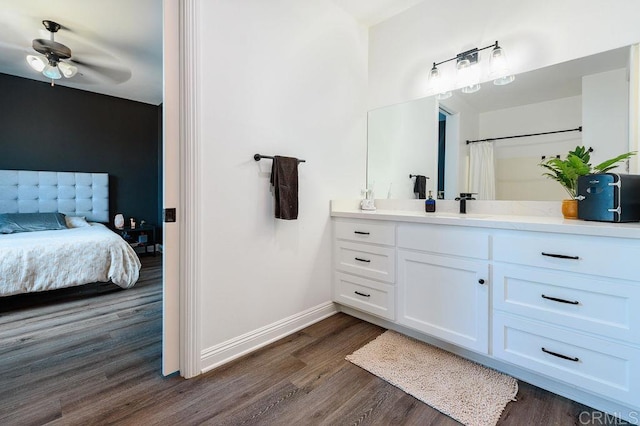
<point x="231" y="349"/>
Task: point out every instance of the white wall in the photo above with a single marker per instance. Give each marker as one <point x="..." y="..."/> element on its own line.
<point x="278" y="77"/>
<point x="534" y="34"/>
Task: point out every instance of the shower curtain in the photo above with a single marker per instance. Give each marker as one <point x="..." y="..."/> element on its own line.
<point x="482" y="171"/>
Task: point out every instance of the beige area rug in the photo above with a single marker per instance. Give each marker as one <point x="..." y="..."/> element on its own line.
<point x="468" y="392"/>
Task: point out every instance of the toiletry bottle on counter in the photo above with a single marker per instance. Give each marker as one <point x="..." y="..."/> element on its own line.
<point x="430" y="204"/>
<point x="367" y="203"/>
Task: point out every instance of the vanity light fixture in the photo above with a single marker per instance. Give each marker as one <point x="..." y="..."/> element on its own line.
<point x="468" y="71"/>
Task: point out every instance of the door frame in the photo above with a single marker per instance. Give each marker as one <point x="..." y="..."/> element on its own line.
<point x="181" y="166"/>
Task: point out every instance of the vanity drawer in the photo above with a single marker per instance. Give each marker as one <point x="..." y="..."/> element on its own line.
<point x="375" y="232"/>
<point x="369" y="296"/>
<point x="616" y="258"/>
<point x="594" y="364"/>
<point x="441" y="239"/>
<point x="365" y="259"/>
<point x="587" y="303"/>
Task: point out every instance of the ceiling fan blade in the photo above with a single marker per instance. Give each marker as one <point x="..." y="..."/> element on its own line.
<point x="15" y="47"/>
<point x="109" y="73"/>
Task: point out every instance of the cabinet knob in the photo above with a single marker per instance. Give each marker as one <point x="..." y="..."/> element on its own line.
<point x="481" y="281"/>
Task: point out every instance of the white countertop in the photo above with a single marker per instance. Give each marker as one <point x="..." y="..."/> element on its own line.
<point x="521" y="222"/>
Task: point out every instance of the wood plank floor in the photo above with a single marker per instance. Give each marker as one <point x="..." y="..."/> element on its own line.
<point x="92" y="357"/>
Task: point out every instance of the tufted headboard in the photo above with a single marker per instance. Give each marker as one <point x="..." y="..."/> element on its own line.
<point x="71" y="193"/>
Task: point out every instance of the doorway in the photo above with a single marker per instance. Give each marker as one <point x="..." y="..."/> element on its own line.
<point x="442" y="146"/>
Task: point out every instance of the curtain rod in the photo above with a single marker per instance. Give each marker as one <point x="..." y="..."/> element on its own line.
<point x="577" y="129"/>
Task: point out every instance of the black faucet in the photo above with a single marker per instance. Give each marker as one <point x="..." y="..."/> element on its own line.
<point x="464" y="196"/>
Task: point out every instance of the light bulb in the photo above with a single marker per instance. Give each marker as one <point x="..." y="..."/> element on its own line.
<point x="67" y="70"/>
<point x="36" y="62"/>
<point x="52" y="72"/>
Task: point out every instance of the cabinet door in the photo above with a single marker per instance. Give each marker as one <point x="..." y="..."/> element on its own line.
<point x="445" y="297"/>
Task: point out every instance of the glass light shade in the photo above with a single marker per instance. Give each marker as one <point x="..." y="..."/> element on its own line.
<point x="67" y="70"/>
<point x="36" y="62"/>
<point x="52" y="71"/>
<point x="435" y="80"/>
<point x="468" y="76"/>
<point x="504" y="80"/>
<point x="436" y="84"/>
<point x="499" y="67"/>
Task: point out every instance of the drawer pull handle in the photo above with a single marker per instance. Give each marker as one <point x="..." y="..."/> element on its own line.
<point x="362" y="260"/>
<point x="569" y="358"/>
<point x="362" y="294"/>
<point x="481" y="281"/>
<point x="362" y="232"/>
<point x="555" y="299"/>
<point x="560" y="256"/>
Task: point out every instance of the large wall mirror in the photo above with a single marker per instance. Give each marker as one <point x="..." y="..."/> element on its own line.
<point x="429" y="137"/>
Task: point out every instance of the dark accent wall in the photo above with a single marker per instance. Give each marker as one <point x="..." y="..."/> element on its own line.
<point x="62" y="129"/>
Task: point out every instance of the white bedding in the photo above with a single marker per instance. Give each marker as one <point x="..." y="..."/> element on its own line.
<point x="46" y="260"/>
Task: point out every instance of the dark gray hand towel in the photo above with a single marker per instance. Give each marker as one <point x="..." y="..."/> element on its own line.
<point x="420" y="187"/>
<point x="284" y="178"/>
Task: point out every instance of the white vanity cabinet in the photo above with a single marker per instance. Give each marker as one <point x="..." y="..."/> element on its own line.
<point x="549" y="301"/>
<point x="364" y="266"/>
<point x="443" y="283"/>
<point x="567" y="306"/>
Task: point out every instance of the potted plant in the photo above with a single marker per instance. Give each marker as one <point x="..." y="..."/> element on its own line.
<point x="566" y="172"/>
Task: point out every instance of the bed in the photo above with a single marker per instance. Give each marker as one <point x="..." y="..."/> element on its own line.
<point x="52" y="233"/>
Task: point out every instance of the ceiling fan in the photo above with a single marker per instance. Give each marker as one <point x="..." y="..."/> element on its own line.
<point x="53" y="64"/>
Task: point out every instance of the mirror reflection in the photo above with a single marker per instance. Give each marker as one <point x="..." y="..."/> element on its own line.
<point x="436" y="138"/>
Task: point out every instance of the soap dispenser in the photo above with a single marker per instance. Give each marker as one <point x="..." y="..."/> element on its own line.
<point x="430" y="204"/>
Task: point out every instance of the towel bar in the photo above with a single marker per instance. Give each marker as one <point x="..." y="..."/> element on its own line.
<point x="259" y="157"/>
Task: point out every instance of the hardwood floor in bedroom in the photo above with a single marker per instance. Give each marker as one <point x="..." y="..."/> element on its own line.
<point x="94" y="358"/>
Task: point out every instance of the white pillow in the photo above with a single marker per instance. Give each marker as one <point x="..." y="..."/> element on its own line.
<point x="76" y="221"/>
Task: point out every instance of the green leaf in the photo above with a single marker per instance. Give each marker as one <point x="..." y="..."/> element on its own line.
<point x="611" y="164"/>
<point x="578" y="165"/>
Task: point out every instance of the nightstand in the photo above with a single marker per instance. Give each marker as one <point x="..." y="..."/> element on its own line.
<point x="141" y="236"/>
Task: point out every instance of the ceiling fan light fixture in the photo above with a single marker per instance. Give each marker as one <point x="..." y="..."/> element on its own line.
<point x="67" y="70"/>
<point x="36" y="62"/>
<point x="52" y="67"/>
<point x="52" y="72"/>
